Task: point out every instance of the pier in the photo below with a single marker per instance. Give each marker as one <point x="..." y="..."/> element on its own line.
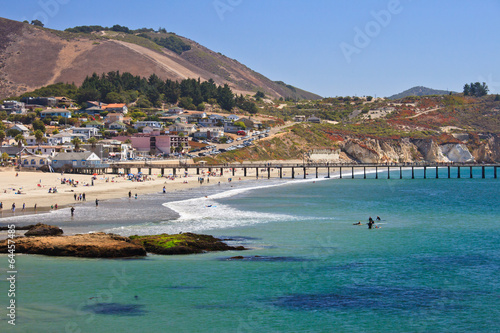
<point x="305" y="170"/>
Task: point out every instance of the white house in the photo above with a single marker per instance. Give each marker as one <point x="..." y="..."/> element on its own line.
<point x="87" y="131"/>
<point x="209" y="132"/>
<point x="175" y="110"/>
<point x="23" y="129"/>
<point x="187" y="129"/>
<point x="118" y="125"/>
<point x="150" y="123"/>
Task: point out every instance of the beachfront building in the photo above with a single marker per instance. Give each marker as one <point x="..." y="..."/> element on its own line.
<point x="313" y="119"/>
<point x="55" y="113"/>
<point x="31" y="160"/>
<point x="85" y="160"/>
<point x="156" y="144"/>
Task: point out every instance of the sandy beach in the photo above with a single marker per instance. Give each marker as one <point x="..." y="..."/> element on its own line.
<point x="30" y="188"/>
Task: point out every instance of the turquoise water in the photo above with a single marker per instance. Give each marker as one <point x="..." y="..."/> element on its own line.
<point x="432" y="266"/>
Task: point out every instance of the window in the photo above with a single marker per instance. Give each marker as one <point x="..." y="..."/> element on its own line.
<point x="33" y="162"/>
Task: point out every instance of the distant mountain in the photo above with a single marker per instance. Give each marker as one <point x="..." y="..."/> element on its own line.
<point x="32" y="57"/>
<point x="420" y="91"/>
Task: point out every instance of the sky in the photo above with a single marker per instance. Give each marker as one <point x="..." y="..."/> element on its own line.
<point x="329" y="47"/>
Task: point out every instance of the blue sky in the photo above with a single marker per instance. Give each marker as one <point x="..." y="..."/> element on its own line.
<point x="330" y="47"/>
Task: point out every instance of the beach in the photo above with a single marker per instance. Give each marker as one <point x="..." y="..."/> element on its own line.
<point x="29" y="188"/>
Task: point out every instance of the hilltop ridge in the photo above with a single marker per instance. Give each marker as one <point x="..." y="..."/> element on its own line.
<point x="32" y="57"/>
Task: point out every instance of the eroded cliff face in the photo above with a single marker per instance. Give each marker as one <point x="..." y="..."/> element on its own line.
<point x="487" y="152"/>
<point x="414" y="150"/>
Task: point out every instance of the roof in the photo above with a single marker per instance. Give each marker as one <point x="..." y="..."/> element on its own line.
<point x="73" y="156"/>
<point x="55" y="110"/>
<point x="114" y="106"/>
<point x="21" y="127"/>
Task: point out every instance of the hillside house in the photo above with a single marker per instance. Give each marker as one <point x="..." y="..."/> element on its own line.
<point x="55" y="113"/>
<point x="14" y="107"/>
<point x="118" y="125"/>
<point x="117" y="107"/>
<point x="175" y="110"/>
<point x="209" y="132"/>
<point x="186" y="129"/>
<point x="21" y="128"/>
<point x="87" y="132"/>
<point x="45" y="101"/>
<point x="150" y="123"/>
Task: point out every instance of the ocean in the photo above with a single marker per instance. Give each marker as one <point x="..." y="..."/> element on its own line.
<point x="432" y="265"/>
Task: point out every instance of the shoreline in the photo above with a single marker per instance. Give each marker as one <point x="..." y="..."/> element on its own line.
<point x="34" y="187"/>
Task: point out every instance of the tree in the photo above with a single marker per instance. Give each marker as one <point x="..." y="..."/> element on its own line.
<point x="76" y="142"/>
<point x="259" y="95"/>
<point x="5" y="157"/>
<point x="114" y="97"/>
<point x="37" y="23"/>
<point x="369" y="98"/>
<point x="38" y="125"/>
<point x="93" y="142"/>
<point x="466" y="89"/>
<point x="20" y="139"/>
<point x="225" y="97"/>
<point x="3" y="135"/>
<point x="39" y="137"/>
<point x="497" y="98"/>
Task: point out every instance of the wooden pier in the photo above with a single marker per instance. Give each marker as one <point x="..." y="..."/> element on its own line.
<point x="352" y="171"/>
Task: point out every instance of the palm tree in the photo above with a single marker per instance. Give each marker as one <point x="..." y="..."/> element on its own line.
<point x="76" y="142"/>
<point x="39" y="137"/>
<point x="20" y="141"/>
<point x="93" y="142"/>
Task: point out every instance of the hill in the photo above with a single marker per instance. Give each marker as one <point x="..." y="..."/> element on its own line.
<point x="420" y="91"/>
<point x="32" y="57"/>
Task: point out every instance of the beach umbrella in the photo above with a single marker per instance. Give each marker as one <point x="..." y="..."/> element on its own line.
<point x="94" y="174"/>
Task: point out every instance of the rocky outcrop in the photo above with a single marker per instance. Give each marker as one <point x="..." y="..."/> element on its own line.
<point x="96" y="245"/>
<point x="488" y="151"/>
<point x="41" y="229"/>
<point x="456" y="153"/>
<point x="406" y="150"/>
<point x="185" y="243"/>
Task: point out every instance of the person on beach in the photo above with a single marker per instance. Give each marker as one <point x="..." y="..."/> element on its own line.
<point x="136" y="196"/>
<point x="56" y="206"/>
<point x="24" y="206"/>
<point x="1" y="205"/>
<point x="164" y="190"/>
<point x="129" y="194"/>
<point x="72" y="211"/>
<point x="13" y="207"/>
<point x="34" y="207"/>
<point x="378" y="218"/>
<point x="96" y="202"/>
<point x="359" y="223"/>
<point x="83" y="197"/>
<point x="74" y="195"/>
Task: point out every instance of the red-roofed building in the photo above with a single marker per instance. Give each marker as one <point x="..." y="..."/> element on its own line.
<point x="117" y="107"/>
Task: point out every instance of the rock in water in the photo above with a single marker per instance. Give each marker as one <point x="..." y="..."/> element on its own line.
<point x="41" y="229"/>
<point x="96" y="245"/>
